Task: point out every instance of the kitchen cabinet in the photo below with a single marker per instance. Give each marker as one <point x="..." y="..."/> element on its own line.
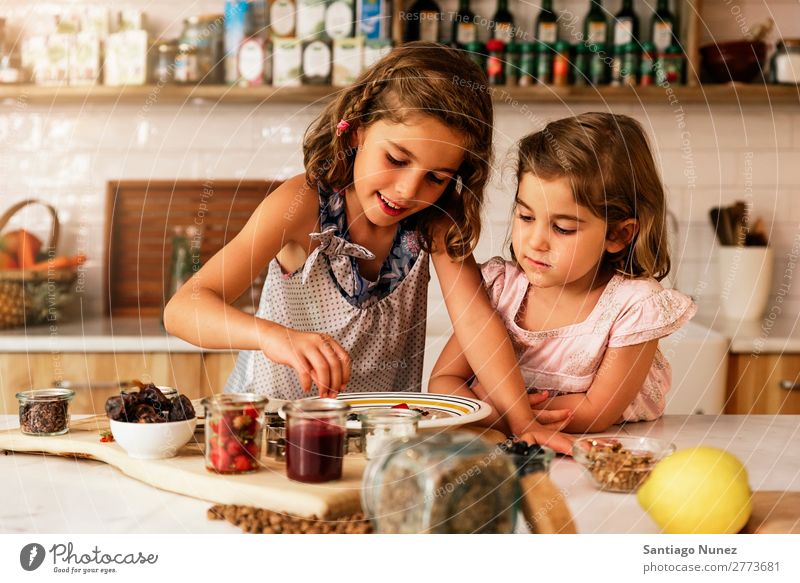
<point x="94" y="374"/>
<point x="763" y="384"/>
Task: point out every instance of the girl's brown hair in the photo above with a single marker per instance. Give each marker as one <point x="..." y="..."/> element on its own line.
<point x="415" y="78"/>
<point x="609" y="164"/>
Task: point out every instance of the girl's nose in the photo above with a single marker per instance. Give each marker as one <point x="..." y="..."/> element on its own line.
<point x="540" y="236"/>
<point x="408" y="184"/>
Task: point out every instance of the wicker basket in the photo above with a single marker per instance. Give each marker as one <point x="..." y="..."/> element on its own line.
<point x="34" y="297"/>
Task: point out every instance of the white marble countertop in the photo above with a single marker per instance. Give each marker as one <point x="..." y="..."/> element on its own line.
<point x="100" y="334"/>
<point x="775" y="333"/>
<point x="47" y="494"/>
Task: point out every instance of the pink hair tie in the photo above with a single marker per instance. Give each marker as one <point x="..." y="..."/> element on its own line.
<point x="342" y="127"/>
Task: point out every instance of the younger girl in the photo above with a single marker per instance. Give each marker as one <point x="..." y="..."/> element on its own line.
<point x="581" y="298"/>
<point x="395" y="171"/>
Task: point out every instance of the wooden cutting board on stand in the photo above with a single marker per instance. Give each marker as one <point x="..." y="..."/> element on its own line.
<point x="774" y="513"/>
<point x="186" y="474"/>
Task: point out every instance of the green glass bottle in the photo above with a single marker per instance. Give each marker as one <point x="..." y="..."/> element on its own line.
<point x="626" y="25"/>
<point x="663" y="27"/>
<point x="465" y="30"/>
<point x="503" y="23"/>
<point x="546" y="27"/>
<point x="595" y="26"/>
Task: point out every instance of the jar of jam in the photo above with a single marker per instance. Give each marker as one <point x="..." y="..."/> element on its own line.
<point x="234" y="424"/>
<point x="379" y="426"/>
<point x="315" y="437"/>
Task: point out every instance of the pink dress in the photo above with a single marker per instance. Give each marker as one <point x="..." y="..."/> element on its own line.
<point x="565" y="360"/>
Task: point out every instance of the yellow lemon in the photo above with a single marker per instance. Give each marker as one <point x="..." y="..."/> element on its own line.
<point x="700" y="490"/>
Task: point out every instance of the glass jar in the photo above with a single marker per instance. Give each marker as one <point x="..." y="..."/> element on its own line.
<point x="164" y="66"/>
<point x="449" y="482"/>
<point x="785" y="66"/>
<point x="44" y="411"/>
<point x="205" y="34"/>
<point x="379" y="426"/>
<point x="276" y="437"/>
<point x="187" y="69"/>
<point x="315" y="438"/>
<point x="233" y="430"/>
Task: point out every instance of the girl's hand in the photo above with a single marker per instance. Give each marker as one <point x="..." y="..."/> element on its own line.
<point x="314" y="357"/>
<point x="555" y="420"/>
<point x="559" y="442"/>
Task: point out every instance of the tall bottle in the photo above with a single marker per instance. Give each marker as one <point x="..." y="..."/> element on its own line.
<point x="546" y="27"/>
<point x="503" y="23"/>
<point x="595" y="27"/>
<point x="626" y="25"/>
<point x="465" y="30"/>
<point x="663" y="26"/>
<point x="423" y="22"/>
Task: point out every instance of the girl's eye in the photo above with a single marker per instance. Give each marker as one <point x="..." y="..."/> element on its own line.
<point x="561" y="231"/>
<point x="394" y="161"/>
<point x="435" y="179"/>
<point x="525" y="218"/>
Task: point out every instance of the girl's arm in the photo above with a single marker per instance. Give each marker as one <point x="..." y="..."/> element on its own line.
<point x="482" y="336"/>
<point x="200" y="312"/>
<point x="619" y="378"/>
<point x="452" y="375"/>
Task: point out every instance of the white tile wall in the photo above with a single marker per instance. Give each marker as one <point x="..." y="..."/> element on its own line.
<point x="66" y="155"/>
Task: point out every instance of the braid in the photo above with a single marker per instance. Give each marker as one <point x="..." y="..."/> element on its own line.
<point x="359" y="107"/>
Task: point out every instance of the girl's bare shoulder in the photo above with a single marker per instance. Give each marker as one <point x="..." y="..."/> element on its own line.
<point x="293" y="207"/>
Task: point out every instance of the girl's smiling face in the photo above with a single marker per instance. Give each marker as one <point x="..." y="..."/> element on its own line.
<point x="401" y="169"/>
<point x="556" y="241"/>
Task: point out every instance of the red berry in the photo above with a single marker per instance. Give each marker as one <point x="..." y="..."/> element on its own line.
<point x="252" y="449"/>
<point x="251" y="411"/>
<point x="214" y="426"/>
<point x="213" y="457"/>
<point x="242" y="463"/>
<point x="233" y="447"/>
<point x="400" y="406"/>
<point x="224" y="461"/>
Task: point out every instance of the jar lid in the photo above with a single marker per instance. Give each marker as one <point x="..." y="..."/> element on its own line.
<point x="42" y="395"/>
<point x="389" y="416"/>
<point x="235" y="400"/>
<point x="316" y="406"/>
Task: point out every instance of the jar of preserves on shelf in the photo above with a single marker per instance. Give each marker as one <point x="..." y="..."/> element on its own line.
<point x="187" y="69"/>
<point x="164" y="65"/>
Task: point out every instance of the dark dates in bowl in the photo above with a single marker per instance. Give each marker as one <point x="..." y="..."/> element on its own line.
<point x="148" y="425"/>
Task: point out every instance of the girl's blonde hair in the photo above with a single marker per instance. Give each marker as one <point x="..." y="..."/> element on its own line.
<point x="415" y="78"/>
<point x="609" y="164"/>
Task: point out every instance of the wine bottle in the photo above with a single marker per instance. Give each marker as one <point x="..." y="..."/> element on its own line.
<point x="663" y="26"/>
<point x="595" y="27"/>
<point x="423" y="21"/>
<point x="465" y="29"/>
<point x="626" y="25"/>
<point x="503" y="23"/>
<point x="546" y="29"/>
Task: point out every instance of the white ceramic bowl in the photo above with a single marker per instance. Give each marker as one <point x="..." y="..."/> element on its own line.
<point x="152" y="441"/>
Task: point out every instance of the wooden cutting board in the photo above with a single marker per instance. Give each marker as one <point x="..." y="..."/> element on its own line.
<point x="185" y="474"/>
<point x="774" y="513"/>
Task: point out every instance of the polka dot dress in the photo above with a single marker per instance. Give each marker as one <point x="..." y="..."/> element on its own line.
<point x="385" y="340"/>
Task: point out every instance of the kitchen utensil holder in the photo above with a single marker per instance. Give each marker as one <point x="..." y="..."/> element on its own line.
<point x="745" y="279"/>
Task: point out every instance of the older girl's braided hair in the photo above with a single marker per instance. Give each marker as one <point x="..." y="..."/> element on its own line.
<point x="415" y="78"/>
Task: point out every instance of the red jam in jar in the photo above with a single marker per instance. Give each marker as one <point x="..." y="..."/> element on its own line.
<point x="315" y="438"/>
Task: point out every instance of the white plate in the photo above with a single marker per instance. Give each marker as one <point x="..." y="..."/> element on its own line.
<point x="444" y="410"/>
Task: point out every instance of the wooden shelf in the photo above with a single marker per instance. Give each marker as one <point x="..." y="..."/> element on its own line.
<point x="153" y="95"/>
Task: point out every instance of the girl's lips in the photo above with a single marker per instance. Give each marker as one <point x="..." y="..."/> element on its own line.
<point x="392" y="212"/>
<point x="537" y="264"/>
